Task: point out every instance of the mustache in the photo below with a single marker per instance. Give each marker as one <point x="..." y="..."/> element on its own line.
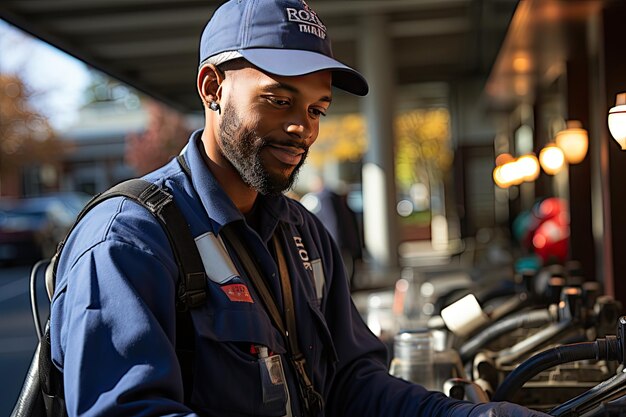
<point x="289" y="143"/>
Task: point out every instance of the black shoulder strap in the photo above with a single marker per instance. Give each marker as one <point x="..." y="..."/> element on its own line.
<point x="192" y="283"/>
<point x="191" y="290"/>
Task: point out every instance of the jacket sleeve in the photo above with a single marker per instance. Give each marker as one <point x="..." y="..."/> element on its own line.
<point x="112" y="317"/>
<point x="362" y="384"/>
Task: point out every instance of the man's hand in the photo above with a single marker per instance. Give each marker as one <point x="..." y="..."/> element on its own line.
<point x="504" y="409"/>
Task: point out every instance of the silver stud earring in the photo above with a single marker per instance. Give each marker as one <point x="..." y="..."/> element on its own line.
<point x="213" y="105"/>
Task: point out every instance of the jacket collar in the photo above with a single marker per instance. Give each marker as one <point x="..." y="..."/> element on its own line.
<point x="219" y="207"/>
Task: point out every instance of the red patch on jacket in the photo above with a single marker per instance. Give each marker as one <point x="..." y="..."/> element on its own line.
<point x="238" y="293"/>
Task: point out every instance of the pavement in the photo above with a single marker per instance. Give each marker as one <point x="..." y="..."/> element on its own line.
<point x="18" y="337"/>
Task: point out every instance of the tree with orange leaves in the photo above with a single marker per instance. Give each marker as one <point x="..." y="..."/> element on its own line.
<point x="26" y="137"/>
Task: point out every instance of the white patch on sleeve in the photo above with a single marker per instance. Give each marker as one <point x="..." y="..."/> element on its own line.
<point x="318" y="277"/>
<point x="216" y="260"/>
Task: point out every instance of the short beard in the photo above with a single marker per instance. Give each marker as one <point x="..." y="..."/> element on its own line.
<point x="243" y="150"/>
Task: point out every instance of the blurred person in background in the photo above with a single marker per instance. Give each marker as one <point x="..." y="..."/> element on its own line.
<point x="265" y="76"/>
<point x="332" y="209"/>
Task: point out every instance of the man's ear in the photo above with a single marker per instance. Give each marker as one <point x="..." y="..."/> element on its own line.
<point x="209" y="82"/>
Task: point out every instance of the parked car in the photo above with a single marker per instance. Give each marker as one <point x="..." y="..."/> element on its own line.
<point x="30" y="228"/>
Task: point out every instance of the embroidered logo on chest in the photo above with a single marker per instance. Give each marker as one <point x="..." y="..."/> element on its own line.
<point x="304" y="255"/>
<point x="315" y="266"/>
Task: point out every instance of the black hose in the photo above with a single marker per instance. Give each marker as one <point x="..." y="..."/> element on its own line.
<point x="33" y="295"/>
<point x="612" y="388"/>
<point x="607" y="349"/>
<point x="505" y="289"/>
<point x="523" y="319"/>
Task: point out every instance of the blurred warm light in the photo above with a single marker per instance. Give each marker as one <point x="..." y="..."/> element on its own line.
<point x="503" y="158"/>
<point x="509" y="174"/>
<point x="521" y="64"/>
<point x="573" y="141"/>
<point x="516" y="171"/>
<point x="528" y="167"/>
<point x="552" y="159"/>
<point x="498" y="179"/>
<point x="617" y="120"/>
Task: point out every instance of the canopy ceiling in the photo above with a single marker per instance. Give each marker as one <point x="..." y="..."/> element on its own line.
<point x="152" y="44"/>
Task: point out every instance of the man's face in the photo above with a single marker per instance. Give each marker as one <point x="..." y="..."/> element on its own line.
<point x="269" y="123"/>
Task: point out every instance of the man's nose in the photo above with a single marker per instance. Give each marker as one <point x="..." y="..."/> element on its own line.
<point x="299" y="126"/>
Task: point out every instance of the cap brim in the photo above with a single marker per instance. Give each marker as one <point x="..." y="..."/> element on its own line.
<point x="292" y="62"/>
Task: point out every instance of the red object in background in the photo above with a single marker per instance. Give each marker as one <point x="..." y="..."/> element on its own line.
<point x="550" y="234"/>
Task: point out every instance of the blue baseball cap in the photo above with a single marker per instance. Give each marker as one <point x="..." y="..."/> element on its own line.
<point x="281" y="37"/>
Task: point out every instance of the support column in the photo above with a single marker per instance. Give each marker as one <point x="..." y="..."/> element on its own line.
<point x="614" y="70"/>
<point x="579" y="190"/>
<point x="379" y="188"/>
<point x="598" y="155"/>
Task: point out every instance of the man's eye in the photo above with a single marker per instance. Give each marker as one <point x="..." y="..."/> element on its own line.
<point x="318" y="112"/>
<point x="277" y="101"/>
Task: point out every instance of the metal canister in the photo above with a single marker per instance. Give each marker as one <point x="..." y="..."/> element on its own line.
<point x="414" y="357"/>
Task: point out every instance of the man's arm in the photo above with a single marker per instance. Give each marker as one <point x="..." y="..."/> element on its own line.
<point x="363" y="385"/>
<point x="113" y="316"/>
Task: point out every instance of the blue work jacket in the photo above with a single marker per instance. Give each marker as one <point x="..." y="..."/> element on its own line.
<point x="113" y="315"/>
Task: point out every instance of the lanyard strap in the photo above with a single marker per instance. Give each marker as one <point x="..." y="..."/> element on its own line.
<point x="311" y="399"/>
<point x="249" y="265"/>
<point x="285" y="284"/>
